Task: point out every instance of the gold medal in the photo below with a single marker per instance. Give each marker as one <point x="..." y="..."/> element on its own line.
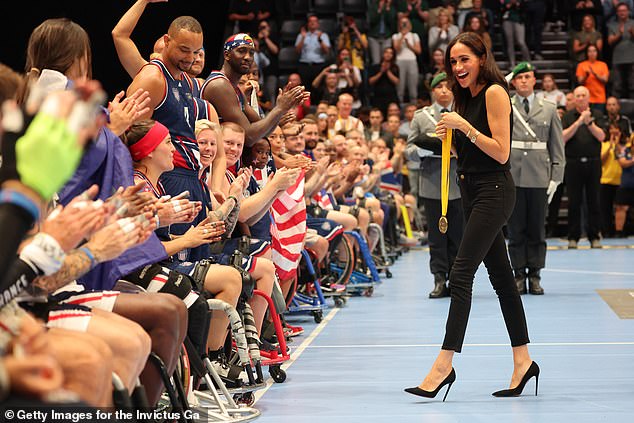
<point x="443" y="224"/>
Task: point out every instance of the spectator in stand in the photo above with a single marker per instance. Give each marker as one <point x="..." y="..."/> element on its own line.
<point x="583" y="138"/>
<point x="610" y="6"/>
<point x="384" y="79"/>
<point x="586" y="36"/>
<point x="477" y="9"/>
<point x="550" y="91"/>
<point x="514" y="30"/>
<point x="392" y="130"/>
<point x="586" y="7"/>
<point x="246" y="14"/>
<point x="322" y="124"/>
<point x="294" y="80"/>
<point x="443" y="32"/>
<point x="570" y="101"/>
<point x="474" y="24"/>
<point x="535" y="13"/>
<point x="349" y="75"/>
<point x="382" y="19"/>
<point x="313" y="46"/>
<point x="354" y="41"/>
<point x="610" y="177"/>
<point x="408" y="47"/>
<point x="345" y="121"/>
<point x="621" y="39"/>
<point x="594" y="74"/>
<point x="437" y="66"/>
<point x="375" y="129"/>
<point x="417" y="13"/>
<point x="393" y="109"/>
<point x="406" y="124"/>
<point x="625" y="194"/>
<point x="326" y="85"/>
<point x="613" y="109"/>
<point x="332" y="114"/>
<point x="269" y="46"/>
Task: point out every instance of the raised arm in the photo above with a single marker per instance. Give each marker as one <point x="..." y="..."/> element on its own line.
<point x="222" y="96"/>
<point x="127" y="51"/>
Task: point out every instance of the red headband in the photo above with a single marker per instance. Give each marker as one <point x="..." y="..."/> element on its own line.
<point x="149" y="142"/>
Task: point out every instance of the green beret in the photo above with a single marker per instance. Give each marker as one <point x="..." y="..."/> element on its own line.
<point x="442" y="76"/>
<point x="523" y="67"/>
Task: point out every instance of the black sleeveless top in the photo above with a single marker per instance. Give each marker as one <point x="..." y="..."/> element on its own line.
<point x="470" y="158"/>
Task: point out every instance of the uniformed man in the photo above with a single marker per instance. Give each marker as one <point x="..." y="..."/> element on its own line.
<point x="442" y="247"/>
<point x="537" y="166"/>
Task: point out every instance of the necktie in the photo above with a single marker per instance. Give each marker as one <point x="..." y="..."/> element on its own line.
<point x="525" y="105"/>
<point x="443" y="110"/>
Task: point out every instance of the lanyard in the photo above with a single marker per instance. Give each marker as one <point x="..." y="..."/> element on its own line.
<point x="444" y="181"/>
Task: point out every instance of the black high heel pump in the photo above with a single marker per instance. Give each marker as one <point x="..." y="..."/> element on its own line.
<point x="533" y="370"/>
<point x="449" y="380"/>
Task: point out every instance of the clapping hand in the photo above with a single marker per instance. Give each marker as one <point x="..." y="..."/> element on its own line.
<point x="124" y="113"/>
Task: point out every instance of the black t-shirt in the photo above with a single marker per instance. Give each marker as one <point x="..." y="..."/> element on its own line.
<point x="470" y="158"/>
<point x="384" y="87"/>
<point x="582" y="143"/>
<point x="244" y="7"/>
<point x="272" y="68"/>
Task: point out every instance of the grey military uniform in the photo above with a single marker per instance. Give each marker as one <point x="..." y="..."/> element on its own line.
<point x="533" y="164"/>
<point x="536" y="159"/>
<point x="430" y="165"/>
<point x="443" y="248"/>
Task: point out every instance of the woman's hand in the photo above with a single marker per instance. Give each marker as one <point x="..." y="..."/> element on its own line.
<point x="204" y="233"/>
<point x="78" y="220"/>
<point x="177" y="211"/>
<point x="124" y="113"/>
<point x="451" y="120"/>
<point x="240" y="184"/>
<point x="114" y="239"/>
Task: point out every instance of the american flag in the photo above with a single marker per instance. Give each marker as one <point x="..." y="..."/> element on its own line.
<point x="390" y="181"/>
<point x="322" y="199"/>
<point x="288" y="229"/>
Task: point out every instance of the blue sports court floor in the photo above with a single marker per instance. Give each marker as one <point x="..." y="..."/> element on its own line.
<point x="354" y="365"/>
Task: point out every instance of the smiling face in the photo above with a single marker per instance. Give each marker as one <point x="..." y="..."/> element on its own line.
<point x="234" y="143"/>
<point x="465" y="65"/>
<point x="180" y="50"/>
<point x="207" y="146"/>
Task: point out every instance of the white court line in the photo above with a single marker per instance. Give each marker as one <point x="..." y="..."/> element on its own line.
<point x="594" y="272"/>
<point x="533" y="344"/>
<point x="295" y="353"/>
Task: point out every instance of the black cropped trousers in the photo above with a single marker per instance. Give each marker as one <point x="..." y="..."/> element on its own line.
<point x="488" y="200"/>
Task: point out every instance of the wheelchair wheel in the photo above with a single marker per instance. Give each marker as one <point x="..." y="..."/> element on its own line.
<point x="277" y="374"/>
<point x="341" y="263"/>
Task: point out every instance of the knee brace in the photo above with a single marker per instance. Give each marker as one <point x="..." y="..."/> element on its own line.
<point x="156" y="278"/>
<point x="198" y="325"/>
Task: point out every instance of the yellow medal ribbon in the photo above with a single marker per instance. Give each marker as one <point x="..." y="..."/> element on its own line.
<point x="444" y="181"/>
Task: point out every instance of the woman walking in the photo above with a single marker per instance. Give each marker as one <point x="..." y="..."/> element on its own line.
<point x="481" y="125"/>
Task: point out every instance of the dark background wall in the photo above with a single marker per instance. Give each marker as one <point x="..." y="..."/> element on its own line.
<point x="99" y="17"/>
